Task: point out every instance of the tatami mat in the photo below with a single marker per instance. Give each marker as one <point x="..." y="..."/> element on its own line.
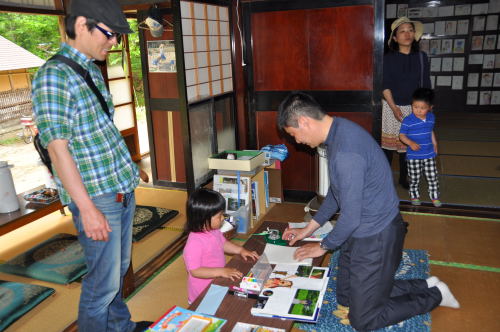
<point x="468" y="148"/>
<point x="469" y="166"/>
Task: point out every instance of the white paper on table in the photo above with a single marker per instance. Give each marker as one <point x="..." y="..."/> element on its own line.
<point x="318" y="234"/>
<point x="283" y="255"/>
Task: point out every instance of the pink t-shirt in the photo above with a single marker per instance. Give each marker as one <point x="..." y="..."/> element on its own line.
<point x="203" y="249"/>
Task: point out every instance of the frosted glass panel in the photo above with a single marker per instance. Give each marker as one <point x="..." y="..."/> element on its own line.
<point x="115" y="71"/>
<point x="191" y="93"/>
<point x="212" y="27"/>
<point x="203" y="75"/>
<point x="225" y="125"/>
<point x="200" y="27"/>
<point x="226" y="71"/>
<point x="204" y="90"/>
<point x="189" y="60"/>
<point x="215" y="71"/>
<point x="190" y="77"/>
<point x="187" y="26"/>
<point x="201" y="43"/>
<point x="188" y="43"/>
<point x="124" y="117"/>
<point x="201" y="132"/>
<point x="224" y="28"/>
<point x="228" y="85"/>
<point x="120" y="90"/>
<point x="185" y="9"/>
<point x="202" y="59"/>
<point x="214" y="58"/>
<point x="211" y="12"/>
<point x="199" y="10"/>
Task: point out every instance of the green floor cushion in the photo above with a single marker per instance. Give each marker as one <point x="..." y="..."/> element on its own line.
<point x="60" y="260"/>
<point x="149" y="218"/>
<point x="16" y="299"/>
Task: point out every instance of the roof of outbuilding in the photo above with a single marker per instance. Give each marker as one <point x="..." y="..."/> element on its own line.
<point x="13" y="56"/>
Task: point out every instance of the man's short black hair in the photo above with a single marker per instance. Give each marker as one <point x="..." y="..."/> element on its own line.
<point x="69" y="22"/>
<point x="295" y="105"/>
<point x="424" y="94"/>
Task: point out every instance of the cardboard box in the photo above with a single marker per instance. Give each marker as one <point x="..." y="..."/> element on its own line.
<point x="245" y="160"/>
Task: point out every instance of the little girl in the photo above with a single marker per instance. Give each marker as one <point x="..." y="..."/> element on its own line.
<point x="205" y="247"/>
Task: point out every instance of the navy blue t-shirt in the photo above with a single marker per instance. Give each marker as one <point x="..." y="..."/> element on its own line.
<point x="420" y="132"/>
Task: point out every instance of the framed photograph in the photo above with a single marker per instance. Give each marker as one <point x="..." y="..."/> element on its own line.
<point x="414" y="12"/>
<point x="161" y="56"/>
<point x="439" y="28"/>
<point x="471" y="97"/>
<point x="496" y="80"/>
<point x="462" y="10"/>
<point x="497" y="60"/>
<point x="435" y="47"/>
<point x="424" y="45"/>
<point x="446" y="46"/>
<point x="458" y="64"/>
<point x="450" y="28"/>
<point x="473" y="80"/>
<point x="402" y="9"/>
<point x="484" y="97"/>
<point x="447" y="64"/>
<point x="495" y="98"/>
<point x="430" y="11"/>
<point x="435" y="64"/>
<point x="459" y="46"/>
<point x="476" y="59"/>
<point x="428" y="28"/>
<point x="462" y="27"/>
<point x="492" y="22"/>
<point x="446" y="11"/>
<point x="478" y="23"/>
<point x="477" y="43"/>
<point x="490" y="42"/>
<point x="488" y="61"/>
<point x="486" y="79"/>
<point x="457" y="83"/>
<point x="391" y="11"/>
<point x="443" y="81"/>
<point x="479" y="8"/>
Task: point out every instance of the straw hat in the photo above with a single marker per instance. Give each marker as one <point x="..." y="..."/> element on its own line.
<point x="419" y="27"/>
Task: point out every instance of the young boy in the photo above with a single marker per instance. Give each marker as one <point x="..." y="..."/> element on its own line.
<point x="417" y="132"/>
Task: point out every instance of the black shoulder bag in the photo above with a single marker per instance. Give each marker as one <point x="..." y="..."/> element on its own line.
<point x="43" y="152"/>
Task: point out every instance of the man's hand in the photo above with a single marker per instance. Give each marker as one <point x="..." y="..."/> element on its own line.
<point x="95" y="224"/>
<point x="247" y="254"/>
<point x="295" y="234"/>
<point x="310" y="250"/>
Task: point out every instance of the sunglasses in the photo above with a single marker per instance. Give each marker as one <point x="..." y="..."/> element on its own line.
<point x="110" y="34"/>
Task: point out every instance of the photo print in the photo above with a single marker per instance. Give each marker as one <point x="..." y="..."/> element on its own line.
<point x="439" y="28"/>
<point x="462" y="27"/>
<point x="391" y="10"/>
<point x="428" y="28"/>
<point x="447" y="64"/>
<point x="473" y="80"/>
<point x="430" y="11"/>
<point x="446" y="46"/>
<point x="492" y="22"/>
<point x="476" y="59"/>
<point x="496" y="80"/>
<point x="458" y="64"/>
<point x="462" y="10"/>
<point x="457" y="83"/>
<point x="471" y="97"/>
<point x="495" y="98"/>
<point x="490" y="42"/>
<point x="477" y="43"/>
<point x="435" y="64"/>
<point x="458" y="45"/>
<point x="435" y="47"/>
<point x="424" y="45"/>
<point x="478" y="23"/>
<point x="402" y="9"/>
<point x="489" y="61"/>
<point x="414" y="12"/>
<point x="484" y="97"/>
<point x="445" y="11"/>
<point x="497" y="60"/>
<point x="450" y="28"/>
<point x="486" y="80"/>
<point x="479" y="8"/>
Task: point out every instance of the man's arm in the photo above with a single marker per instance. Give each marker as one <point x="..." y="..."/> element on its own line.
<point x="94" y="223"/>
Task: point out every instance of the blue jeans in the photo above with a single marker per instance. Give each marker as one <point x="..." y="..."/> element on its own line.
<point x="101" y="305"/>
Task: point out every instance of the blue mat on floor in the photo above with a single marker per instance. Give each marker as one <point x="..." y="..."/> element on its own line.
<point x="414" y="265"/>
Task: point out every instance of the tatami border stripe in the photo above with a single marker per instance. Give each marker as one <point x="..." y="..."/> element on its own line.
<point x="465" y="266"/>
<point x="449" y="216"/>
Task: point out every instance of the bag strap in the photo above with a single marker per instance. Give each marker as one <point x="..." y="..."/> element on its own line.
<point x="86" y="76"/>
<point x="421" y="69"/>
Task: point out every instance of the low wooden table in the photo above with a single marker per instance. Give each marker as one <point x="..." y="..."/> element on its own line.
<point x="237" y="309"/>
<point x="27" y="213"/>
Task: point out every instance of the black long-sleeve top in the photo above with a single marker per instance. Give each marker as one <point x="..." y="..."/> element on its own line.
<point x="402" y="75"/>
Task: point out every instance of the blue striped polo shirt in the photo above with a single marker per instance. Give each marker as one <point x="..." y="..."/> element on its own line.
<point x="420" y="132"/>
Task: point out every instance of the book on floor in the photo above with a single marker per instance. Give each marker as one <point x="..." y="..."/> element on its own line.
<point x="178" y="319"/>
<point x="244" y="327"/>
<point x="293" y="292"/>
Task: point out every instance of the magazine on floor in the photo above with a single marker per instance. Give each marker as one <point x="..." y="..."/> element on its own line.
<point x="293" y="292"/>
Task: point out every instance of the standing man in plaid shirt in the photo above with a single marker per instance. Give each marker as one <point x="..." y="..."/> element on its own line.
<point x="95" y="174"/>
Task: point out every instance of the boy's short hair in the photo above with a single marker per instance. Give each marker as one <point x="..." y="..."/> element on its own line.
<point x="298" y="104"/>
<point x="424" y="94"/>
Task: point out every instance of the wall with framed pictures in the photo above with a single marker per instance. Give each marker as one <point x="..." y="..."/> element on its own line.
<point x="462" y="40"/>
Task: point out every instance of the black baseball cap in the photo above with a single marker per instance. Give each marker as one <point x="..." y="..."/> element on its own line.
<point x="108" y="12"/>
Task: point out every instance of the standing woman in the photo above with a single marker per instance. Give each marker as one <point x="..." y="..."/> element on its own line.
<point x="405" y="70"/>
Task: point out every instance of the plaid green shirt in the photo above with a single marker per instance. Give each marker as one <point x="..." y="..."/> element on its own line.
<point x="66" y="108"/>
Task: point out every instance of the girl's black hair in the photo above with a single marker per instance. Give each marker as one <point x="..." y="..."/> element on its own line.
<point x="394" y="46"/>
<point x="201" y="206"/>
